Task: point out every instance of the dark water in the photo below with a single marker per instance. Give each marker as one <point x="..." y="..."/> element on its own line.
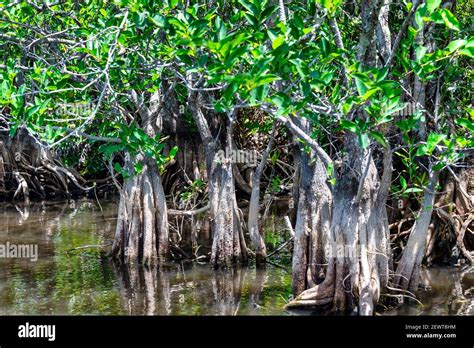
<point x="449" y="291"/>
<point x="71" y="277"/>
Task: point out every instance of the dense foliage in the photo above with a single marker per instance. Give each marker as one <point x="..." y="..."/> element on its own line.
<point x="343" y="83"/>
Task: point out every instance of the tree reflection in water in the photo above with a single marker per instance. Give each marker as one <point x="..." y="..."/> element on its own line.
<point x="227" y="289"/>
<point x="145" y="291"/>
<point x="192" y="290"/>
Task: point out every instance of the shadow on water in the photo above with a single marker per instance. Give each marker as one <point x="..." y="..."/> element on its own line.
<point x="72" y="276"/>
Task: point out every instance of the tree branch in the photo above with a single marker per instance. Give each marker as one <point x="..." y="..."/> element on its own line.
<point x="403" y="28"/>
<point x="302" y="135"/>
<point x="88" y="136"/>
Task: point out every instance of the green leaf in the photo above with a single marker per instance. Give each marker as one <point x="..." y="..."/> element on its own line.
<point x="32" y="111"/>
<point x="466" y="123"/>
<point x="44" y="106"/>
<point x="445" y="16"/>
<point x="413" y="190"/>
<point x="330" y="169"/>
<point x="346" y="107"/>
<point x="470" y="112"/>
<point x="422" y="150"/>
<point x="298" y="63"/>
<point x="108" y="149"/>
<point x="266" y="79"/>
<point x="403" y="182"/>
<point x="330" y="5"/>
<point x="379" y="137"/>
<point x="250" y="7"/>
<point x="370" y="93"/>
<point x="382" y="75"/>
<point x="364" y="140"/>
<point x="420" y="52"/>
<point x="349" y="125"/>
<point x="138" y="167"/>
<point x="455" y="45"/>
<point x="433" y="140"/>
<point x="326" y="77"/>
<point x="395" y="108"/>
<point x="220" y="106"/>
<point x="432" y="5"/>
<point x="159" y="21"/>
<point x="140" y="135"/>
<point x="5" y="89"/>
<point x="438" y="166"/>
<point x="13" y="129"/>
<point x="222" y="30"/>
<point x="468" y="51"/>
<point x="118" y="167"/>
<point x="173" y="152"/>
<point x="278" y="42"/>
<point x="234" y="55"/>
<point x="49" y="132"/>
<point x="450" y="21"/>
<point x="360" y="86"/>
<point x="281" y="100"/>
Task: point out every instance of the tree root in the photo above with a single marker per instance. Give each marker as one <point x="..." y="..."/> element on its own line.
<point x="34" y="169"/>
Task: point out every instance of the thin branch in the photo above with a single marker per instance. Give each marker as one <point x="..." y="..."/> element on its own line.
<point x="401" y="33"/>
<point x="88" y="136"/>
<point x="189" y="212"/>
<point x="302" y="135"/>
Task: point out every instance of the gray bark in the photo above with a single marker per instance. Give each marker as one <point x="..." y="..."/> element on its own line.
<point x="254" y="206"/>
<point x="408" y="270"/>
<point x="228" y="246"/>
<point x="419" y="89"/>
<point x="384" y="38"/>
<point x="357" y="255"/>
<point x="142" y="234"/>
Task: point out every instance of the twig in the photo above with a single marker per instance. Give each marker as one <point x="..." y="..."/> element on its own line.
<point x="189" y="212"/>
<point x="280" y="247"/>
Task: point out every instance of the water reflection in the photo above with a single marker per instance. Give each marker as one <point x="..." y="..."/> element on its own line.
<point x="72" y="276"/>
<point x="144" y="290"/>
<point x="448" y="291"/>
<point x="199" y="290"/>
<point x="227" y="290"/>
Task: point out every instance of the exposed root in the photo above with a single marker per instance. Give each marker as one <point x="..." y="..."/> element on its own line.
<point x="454" y="217"/>
<point x="22" y="187"/>
<point x="229" y="245"/>
<point x="30" y="165"/>
<point x="349" y="263"/>
<point x="142" y="234"/>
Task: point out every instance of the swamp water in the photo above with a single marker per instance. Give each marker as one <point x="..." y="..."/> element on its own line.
<point x="71" y="277"/>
